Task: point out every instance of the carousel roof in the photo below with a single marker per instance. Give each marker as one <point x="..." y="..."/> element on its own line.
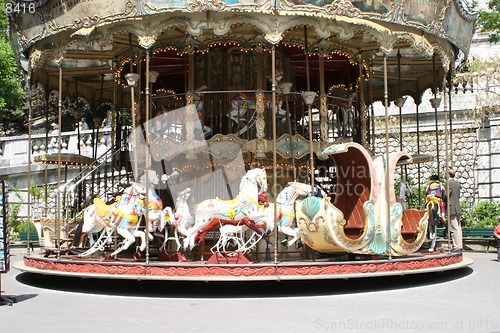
<point x="90" y="40"/>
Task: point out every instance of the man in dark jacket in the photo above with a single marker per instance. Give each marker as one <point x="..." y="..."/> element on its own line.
<point x="454" y="211"/>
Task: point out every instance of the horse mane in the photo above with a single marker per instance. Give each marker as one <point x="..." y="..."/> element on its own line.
<point x="249" y="175"/>
<point x="285" y="193"/>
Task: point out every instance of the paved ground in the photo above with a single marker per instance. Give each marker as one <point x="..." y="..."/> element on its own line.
<point x="465" y="300"/>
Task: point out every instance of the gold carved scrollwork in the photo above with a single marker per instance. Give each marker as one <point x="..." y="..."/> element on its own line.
<point x="36" y="59"/>
<point x="86" y="22"/>
<point x="274" y="38"/>
<point x="147" y="41"/>
<point x="206" y="5"/>
<point x="342" y="7"/>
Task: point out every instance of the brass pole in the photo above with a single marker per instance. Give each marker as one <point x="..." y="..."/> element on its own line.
<point x="311" y="146"/>
<point x="58" y="199"/>
<point x="29" y="162"/>
<point x="435" y="113"/>
<point x="275" y="174"/>
<point x="146" y="140"/>
<point x="387" y="173"/>
<point x="309" y="110"/>
<point x="448" y="219"/>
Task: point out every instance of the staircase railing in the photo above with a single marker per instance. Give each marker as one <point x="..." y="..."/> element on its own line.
<point x="104" y="178"/>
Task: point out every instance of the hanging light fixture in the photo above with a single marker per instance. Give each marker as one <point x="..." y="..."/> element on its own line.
<point x="435" y="102"/>
<point x="309" y="97"/>
<point x="132" y="79"/>
<point x="153" y="76"/>
<point x="400" y="101"/>
<point x="286" y="87"/>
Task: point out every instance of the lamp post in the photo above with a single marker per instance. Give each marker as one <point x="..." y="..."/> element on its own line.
<point x="309" y="97"/>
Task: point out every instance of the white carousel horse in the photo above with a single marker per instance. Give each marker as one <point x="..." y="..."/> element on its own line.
<point x="244" y="206"/>
<point x="181" y="220"/>
<point x="123" y="216"/>
<point x="404" y="192"/>
<point x="285" y="217"/>
<point x="241" y="103"/>
<point x="285" y="203"/>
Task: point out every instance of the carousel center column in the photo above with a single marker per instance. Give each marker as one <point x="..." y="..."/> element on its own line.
<point x="260" y="123"/>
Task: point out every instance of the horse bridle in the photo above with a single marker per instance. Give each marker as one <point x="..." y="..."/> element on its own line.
<point x="258" y="180"/>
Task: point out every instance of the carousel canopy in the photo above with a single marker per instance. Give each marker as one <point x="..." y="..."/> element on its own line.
<point x="96" y="42"/>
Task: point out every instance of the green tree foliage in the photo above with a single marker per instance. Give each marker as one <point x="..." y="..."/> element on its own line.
<point x="484" y="214"/>
<point x="11" y="94"/>
<point x="490" y="20"/>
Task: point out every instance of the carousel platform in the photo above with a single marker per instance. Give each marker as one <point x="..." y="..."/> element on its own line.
<point x="417" y="263"/>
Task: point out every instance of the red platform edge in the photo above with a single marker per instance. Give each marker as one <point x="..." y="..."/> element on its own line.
<point x="256" y="270"/>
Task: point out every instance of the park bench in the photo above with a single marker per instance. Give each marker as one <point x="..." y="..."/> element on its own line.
<point x="23" y="237"/>
<point x="473" y="235"/>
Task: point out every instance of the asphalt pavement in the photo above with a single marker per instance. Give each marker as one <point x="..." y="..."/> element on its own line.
<point x="463" y="300"/>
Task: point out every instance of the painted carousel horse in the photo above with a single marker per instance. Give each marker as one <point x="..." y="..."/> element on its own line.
<point x="244" y="206"/>
<point x="241" y="103"/>
<point x="404" y="192"/>
<point x="181" y="220"/>
<point x="123" y="216"/>
<point x="285" y="203"/>
<point x="434" y="217"/>
<point x="230" y="230"/>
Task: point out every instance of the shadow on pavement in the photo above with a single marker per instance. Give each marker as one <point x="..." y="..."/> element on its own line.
<point x="9" y="299"/>
<point x="181" y="289"/>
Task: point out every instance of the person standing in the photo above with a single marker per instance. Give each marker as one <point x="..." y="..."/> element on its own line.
<point x="455" y="211"/>
<point x="54" y="133"/>
<point x="496" y="233"/>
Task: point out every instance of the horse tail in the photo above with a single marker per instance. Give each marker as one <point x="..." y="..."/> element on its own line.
<point x="433" y="210"/>
<point x="78" y="234"/>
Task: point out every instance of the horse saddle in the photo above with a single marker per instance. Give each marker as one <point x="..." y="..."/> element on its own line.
<point x="102" y="208"/>
<point x="229" y="207"/>
<point x="232" y="204"/>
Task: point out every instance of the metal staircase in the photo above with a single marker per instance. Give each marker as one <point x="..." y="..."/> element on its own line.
<point x="107" y="176"/>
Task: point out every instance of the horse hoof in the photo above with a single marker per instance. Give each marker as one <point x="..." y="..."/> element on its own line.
<point x="284" y="242"/>
<point x="299" y="244"/>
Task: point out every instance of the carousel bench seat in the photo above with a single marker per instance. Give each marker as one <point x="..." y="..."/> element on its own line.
<point x="410" y="220"/>
<point x="409" y="224"/>
<point x="354" y="214"/>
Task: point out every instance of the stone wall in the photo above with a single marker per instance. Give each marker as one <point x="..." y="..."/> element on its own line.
<point x="462" y="152"/>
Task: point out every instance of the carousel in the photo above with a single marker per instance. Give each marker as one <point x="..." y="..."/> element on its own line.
<point x="242" y="134"/>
